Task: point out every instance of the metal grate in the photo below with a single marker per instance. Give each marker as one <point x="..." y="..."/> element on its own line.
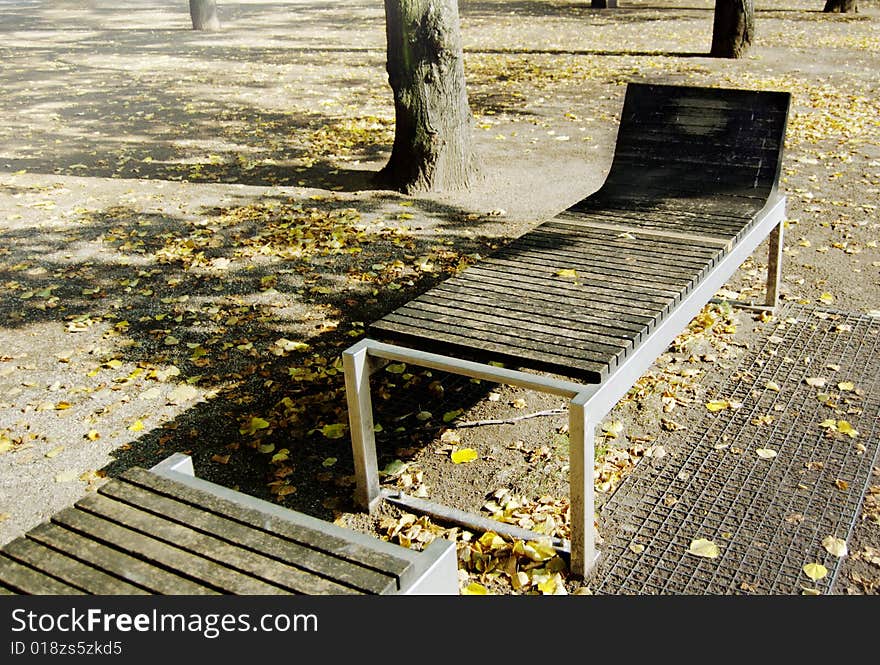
<point x="768" y="516"/>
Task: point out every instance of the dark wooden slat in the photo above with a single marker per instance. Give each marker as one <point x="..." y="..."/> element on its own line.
<point x="624" y="280"/>
<point x="164" y="554"/>
<point x="563" y="334"/>
<point x="485" y="303"/>
<point x="256" y="570"/>
<point x="591" y="292"/>
<point x="295" y="528"/>
<point x="298" y="568"/>
<point x="612" y="256"/>
<point x="524" y="348"/>
<point x="24" y="579"/>
<point x="68" y="570"/>
<point x="117" y="562"/>
<point x="583" y="226"/>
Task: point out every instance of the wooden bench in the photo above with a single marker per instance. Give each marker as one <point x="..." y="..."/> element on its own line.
<point x="591" y="297"/>
<point x="164" y="531"/>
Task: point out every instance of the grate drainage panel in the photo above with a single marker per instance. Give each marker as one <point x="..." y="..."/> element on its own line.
<point x="767" y="515"/>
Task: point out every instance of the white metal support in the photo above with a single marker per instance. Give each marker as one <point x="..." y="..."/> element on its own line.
<point x="774" y="267"/>
<point x="581" y="460"/>
<point x="356" y="365"/>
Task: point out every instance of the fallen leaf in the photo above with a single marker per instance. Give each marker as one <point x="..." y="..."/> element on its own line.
<point x="93" y="435"/>
<point x="334" y="431"/>
<point x="612" y="429"/>
<point x="704" y="548"/>
<point x="253" y="425"/>
<point x="815" y="381"/>
<point x="54" y="452"/>
<point x="474" y="589"/>
<point x="136" y="426"/>
<point x="815" y="571"/>
<point x="66" y="476"/>
<point x="826" y="298"/>
<point x="835" y="546"/>
<point x="846" y="385"/>
<point x="717" y="405"/>
<point x="567" y="272"/>
<point x="772" y="385"/>
<point x="636" y="548"/>
<point x="766" y="453"/>
<point x="845" y="428"/>
<point x="182" y="393"/>
<point x="464" y="455"/>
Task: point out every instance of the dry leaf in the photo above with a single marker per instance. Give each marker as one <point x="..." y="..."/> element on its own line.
<point x="835" y="546"/>
<point x="717" y="405"/>
<point x="815" y="381"/>
<point x="815" y="571"/>
<point x="464" y="455"/>
<point x="704" y="548"/>
<point x="766" y="453"/>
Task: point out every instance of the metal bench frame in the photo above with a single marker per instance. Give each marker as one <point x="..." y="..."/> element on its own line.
<point x="588" y="403"/>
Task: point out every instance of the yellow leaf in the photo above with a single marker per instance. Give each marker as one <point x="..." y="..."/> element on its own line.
<point x="136" y="426"/>
<point x="846" y="385"/>
<point x="61" y="406"/>
<point x="464" y="455"/>
<point x="815" y="381"/>
<point x="815" y="571"/>
<point x="334" y="431"/>
<point x="717" y="405"/>
<point x="397" y="368"/>
<point x="636" y="548"/>
<point x="835" y="546"/>
<point x="826" y="298"/>
<point x="829" y="423"/>
<point x="253" y="425"/>
<point x="612" y="429"/>
<point x="845" y="428"/>
<point x="805" y="591"/>
<point x="93" y="435"/>
<point x="171" y="341"/>
<point x="704" y="548"/>
<point x="766" y="453"/>
<point x="66" y="476"/>
<point x="772" y="385"/>
<point x="567" y="272"/>
<point x="474" y="589"/>
<point x="54" y="452"/>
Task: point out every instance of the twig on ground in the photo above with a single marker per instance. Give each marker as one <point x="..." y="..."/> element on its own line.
<point x="508" y="421"/>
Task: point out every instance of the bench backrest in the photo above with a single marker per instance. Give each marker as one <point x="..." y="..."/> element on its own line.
<point x="678" y="141"/>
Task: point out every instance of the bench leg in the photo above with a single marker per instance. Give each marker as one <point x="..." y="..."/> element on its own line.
<point x="581" y="461"/>
<point x="356" y="366"/>
<point x="774" y="267"/>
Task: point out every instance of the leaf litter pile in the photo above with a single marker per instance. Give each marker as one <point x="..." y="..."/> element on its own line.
<point x="196" y="252"/>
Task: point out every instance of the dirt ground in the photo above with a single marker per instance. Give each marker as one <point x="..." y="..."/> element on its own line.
<point x="189" y="237"/>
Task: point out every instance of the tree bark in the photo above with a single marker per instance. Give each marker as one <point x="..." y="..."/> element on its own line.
<point x="603" y="4"/>
<point x="433" y="144"/>
<point x="841" y="6"/>
<point x="733" y="29"/>
<point x="204" y="14"/>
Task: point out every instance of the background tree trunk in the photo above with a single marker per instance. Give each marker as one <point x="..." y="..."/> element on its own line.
<point x="204" y="14"/>
<point x="433" y="144"/>
<point x="733" y="28"/>
<point x="841" y="6"/>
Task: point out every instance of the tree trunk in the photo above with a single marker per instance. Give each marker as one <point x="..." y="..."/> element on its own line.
<point x="733" y="29"/>
<point x="433" y="145"/>
<point x="841" y="6"/>
<point x="603" y="4"/>
<point x="204" y="14"/>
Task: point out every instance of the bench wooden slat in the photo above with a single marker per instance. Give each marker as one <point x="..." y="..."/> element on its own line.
<point x="67" y="569"/>
<point x="23" y="579"/>
<point x="205" y="571"/>
<point x="464" y="344"/>
<point x="255" y="570"/>
<point x="582" y="299"/>
<point x="301" y="569"/>
<point x="563" y="335"/>
<point x="296" y="528"/>
<point x="117" y="562"/>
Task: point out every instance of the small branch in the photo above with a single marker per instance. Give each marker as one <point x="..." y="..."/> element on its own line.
<point x="508" y="421"/>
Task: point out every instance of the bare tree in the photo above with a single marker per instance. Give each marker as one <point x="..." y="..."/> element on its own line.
<point x="733" y="29"/>
<point x="204" y="14"/>
<point x="433" y="143"/>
